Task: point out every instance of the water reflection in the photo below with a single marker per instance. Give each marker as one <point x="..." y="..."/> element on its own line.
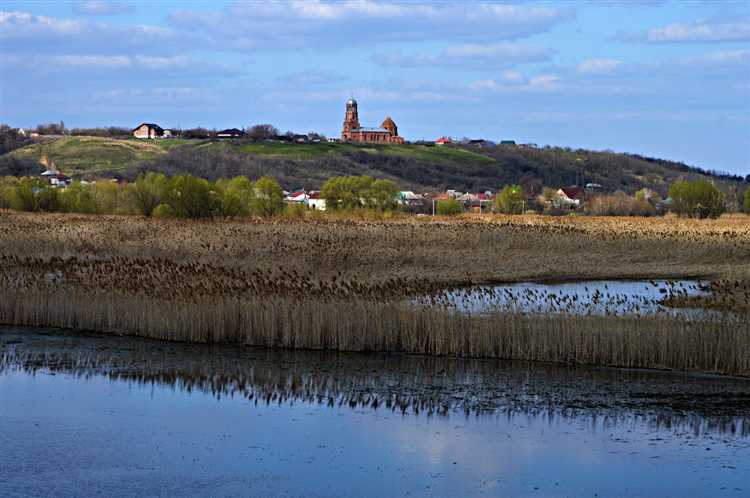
<point x="399" y="383"/>
<point x="601" y="297"/>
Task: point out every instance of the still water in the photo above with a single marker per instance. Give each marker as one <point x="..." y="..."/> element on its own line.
<point x="595" y="297"/>
<point x="85" y="415"/>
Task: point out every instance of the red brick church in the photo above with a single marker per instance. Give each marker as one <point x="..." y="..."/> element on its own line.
<point x="352" y="132"/>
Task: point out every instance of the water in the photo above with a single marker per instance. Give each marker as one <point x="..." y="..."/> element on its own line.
<point x="85" y="415"/>
<point x="598" y="297"/>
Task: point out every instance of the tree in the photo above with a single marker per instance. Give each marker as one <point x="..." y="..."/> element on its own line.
<point x="449" y="207"/>
<point x="383" y="195"/>
<point x="147" y="192"/>
<point x="747" y="200"/>
<point x="510" y="200"/>
<point x="190" y="197"/>
<point x="78" y="198"/>
<point x="696" y="199"/>
<point x="238" y="196"/>
<point x="261" y="131"/>
<point x="349" y="192"/>
<point x="269" y="197"/>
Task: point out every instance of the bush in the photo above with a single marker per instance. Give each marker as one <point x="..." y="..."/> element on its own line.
<point x="747" y="200"/>
<point x="190" y="197"/>
<point x="358" y="192"/>
<point x="449" y="207"/>
<point x="510" y="200"/>
<point x="620" y="204"/>
<point x="78" y="198"/>
<point x="696" y="199"/>
<point x="147" y="192"/>
<point x="269" y="197"/>
<point x="238" y="196"/>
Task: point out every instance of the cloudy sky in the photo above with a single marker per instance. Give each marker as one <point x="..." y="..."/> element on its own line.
<point x="666" y="79"/>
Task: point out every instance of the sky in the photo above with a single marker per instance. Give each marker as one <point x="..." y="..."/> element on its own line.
<point x="658" y="78"/>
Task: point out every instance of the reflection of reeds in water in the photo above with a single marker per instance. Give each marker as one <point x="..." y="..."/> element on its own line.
<point x="402" y="384"/>
<point x="720" y="343"/>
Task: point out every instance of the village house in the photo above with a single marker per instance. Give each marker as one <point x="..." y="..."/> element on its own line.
<point x="570" y="196"/>
<point x="314" y="201"/>
<point x="230" y="133"/>
<point x="149" y="130"/>
<point x="443" y="141"/>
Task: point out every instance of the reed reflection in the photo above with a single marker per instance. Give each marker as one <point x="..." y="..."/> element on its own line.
<point x="402" y="384"/>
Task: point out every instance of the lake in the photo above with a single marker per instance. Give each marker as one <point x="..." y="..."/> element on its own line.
<point x="90" y="415"/>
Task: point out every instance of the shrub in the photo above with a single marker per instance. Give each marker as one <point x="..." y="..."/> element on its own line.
<point x="510" y="200"/>
<point x="190" y="197"/>
<point x="449" y="207"/>
<point x="696" y="199"/>
<point x="269" y="197"/>
<point x="238" y="196"/>
<point x="78" y="198"/>
<point x="747" y="200"/>
<point x="147" y="192"/>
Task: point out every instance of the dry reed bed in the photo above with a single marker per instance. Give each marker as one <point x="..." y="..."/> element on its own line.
<point x="718" y="345"/>
<point x="341" y="285"/>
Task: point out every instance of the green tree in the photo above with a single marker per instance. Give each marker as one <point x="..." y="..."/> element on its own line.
<point x="747" y="200"/>
<point x="696" y="199"/>
<point x="449" y="207"/>
<point x="238" y="196"/>
<point x="109" y="197"/>
<point x="78" y="198"/>
<point x="23" y="196"/>
<point x="190" y="197"/>
<point x="510" y="200"/>
<point x="148" y="191"/>
<point x="269" y="197"/>
<point x="383" y="195"/>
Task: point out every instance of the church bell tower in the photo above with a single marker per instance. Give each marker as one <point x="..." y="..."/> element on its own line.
<point x="351" y="120"/>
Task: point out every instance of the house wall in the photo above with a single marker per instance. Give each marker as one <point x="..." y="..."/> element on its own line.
<point x="143" y="132"/>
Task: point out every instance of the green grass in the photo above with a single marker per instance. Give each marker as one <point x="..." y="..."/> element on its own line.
<point x="81" y="155"/>
<point x="312" y="151"/>
<point x="92" y="155"/>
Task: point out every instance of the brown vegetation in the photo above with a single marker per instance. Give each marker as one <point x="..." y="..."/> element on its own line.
<point x="342" y="284"/>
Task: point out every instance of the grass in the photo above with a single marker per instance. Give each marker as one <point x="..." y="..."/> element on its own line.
<point x="346" y="284"/>
<point x="89" y="155"/>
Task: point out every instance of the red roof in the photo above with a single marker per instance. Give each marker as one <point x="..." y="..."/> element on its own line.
<point x="573" y="192"/>
<point x="443" y="140"/>
<point x="313" y="195"/>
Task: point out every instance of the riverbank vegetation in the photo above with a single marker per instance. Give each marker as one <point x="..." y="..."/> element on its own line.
<point x="350" y="285"/>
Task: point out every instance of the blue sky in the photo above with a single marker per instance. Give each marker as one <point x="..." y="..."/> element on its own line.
<point x="659" y="78"/>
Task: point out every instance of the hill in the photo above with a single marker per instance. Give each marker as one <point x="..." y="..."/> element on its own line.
<point x="413" y="166"/>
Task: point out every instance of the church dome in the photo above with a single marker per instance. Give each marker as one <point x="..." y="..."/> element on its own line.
<point x="351" y="102"/>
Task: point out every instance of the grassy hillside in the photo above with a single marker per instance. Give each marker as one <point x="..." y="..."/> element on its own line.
<point x="92" y="155"/>
<point x="419" y="167"/>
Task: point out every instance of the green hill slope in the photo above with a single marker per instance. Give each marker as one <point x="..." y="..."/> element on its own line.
<point x="413" y="166"/>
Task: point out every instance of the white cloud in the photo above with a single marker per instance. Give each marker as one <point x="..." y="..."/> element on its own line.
<point x="22" y="32"/>
<point x="472" y="54"/>
<point x="698" y="32"/>
<point x="319" y="23"/>
<point x="102" y="7"/>
<point x="513" y="83"/>
<point x="599" y="66"/>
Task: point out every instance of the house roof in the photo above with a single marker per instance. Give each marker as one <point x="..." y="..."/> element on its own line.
<point x="150" y="125"/>
<point x="231" y="131"/>
<point x="443" y="140"/>
<point x="572" y="192"/>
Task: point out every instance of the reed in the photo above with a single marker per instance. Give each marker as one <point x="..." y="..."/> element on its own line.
<point x="720" y="344"/>
<point x="349" y="285"/>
